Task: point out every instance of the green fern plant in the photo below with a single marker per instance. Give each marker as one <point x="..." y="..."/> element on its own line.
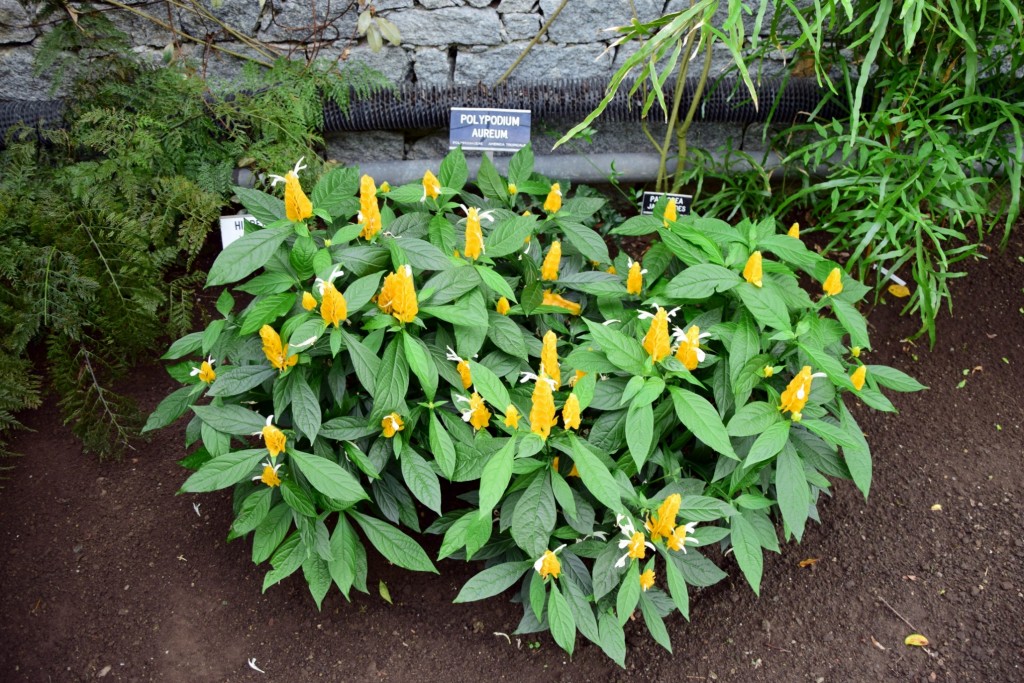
<point x="102" y="225"/>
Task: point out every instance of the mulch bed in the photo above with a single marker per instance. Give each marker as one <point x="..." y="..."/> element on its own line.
<point x="107" y="573"/>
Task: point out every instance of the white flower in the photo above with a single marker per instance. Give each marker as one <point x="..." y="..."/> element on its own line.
<point x="540" y="560"/>
<point x="628" y="531"/>
<point x="196" y="371"/>
<point x="252" y="665"/>
<point x="195" y="506"/>
<point x="319" y="283"/>
<point x="530" y="377"/>
<point x="644" y="315"/>
<point x="270" y="421"/>
<point x="275" y="179"/>
<point x="266" y="464"/>
<point x="304" y="343"/>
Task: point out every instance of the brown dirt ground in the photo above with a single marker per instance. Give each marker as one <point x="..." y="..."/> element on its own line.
<point x="107" y="573"/>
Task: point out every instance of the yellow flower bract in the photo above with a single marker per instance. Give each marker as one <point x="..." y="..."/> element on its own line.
<point x="833" y="284"/>
<point x="274" y="439"/>
<point x="502" y="306"/>
<point x="752" y="272"/>
<point x="542" y="411"/>
<point x="663" y="522"/>
<point x="549" y="268"/>
<point x="392" y="424"/>
<point x="276" y="352"/>
<point x="553" y="202"/>
<point x="647" y="580"/>
<point x="333" y="309"/>
<point x="549" y="565"/>
<point x="656" y="341"/>
<point x="398" y="296"/>
<point x="571" y="412"/>
<point x="369" y="210"/>
<point x="635" y="278"/>
<point x="551" y="299"/>
<point x="549" y="358"/>
<point x="474" y="235"/>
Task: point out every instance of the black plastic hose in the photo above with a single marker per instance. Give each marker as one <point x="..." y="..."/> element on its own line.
<point x="411" y="107"/>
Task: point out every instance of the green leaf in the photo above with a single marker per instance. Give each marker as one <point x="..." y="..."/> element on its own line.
<point x="421" y="364"/>
<point x="491" y="388"/>
<point x="594" y="282"/>
<point x="596" y="477"/>
<point x="395" y="546"/>
<point x="701" y="281"/>
<point x="335" y="188"/>
<point x="232" y="419"/>
<point x="318" y="578"/>
<point x="490" y="182"/>
<point x="765" y="304"/>
<point x="506" y="335"/>
<point x="638" y="225"/>
<point x="769" y="443"/>
<point x="894" y="379"/>
<point x="268" y="283"/>
<point x="348" y="557"/>
<point x="560" y="620"/>
<point x="453" y="173"/>
<point x="247" y="254"/>
<point x="297" y="499"/>
<point x="534" y="517"/>
<point x="359" y="292"/>
<point x="238" y="379"/>
<point x="458" y="314"/>
<point x="188" y="344"/>
<point x="170" y="409"/>
<point x="700" y="417"/>
<point x="793" y="492"/>
<point x="748" y="553"/>
<point x="305" y="334"/>
<point x="654" y="623"/>
<point x="347" y="428"/>
<point x="753" y="418"/>
<point x="791" y="251"/>
<point x="852" y="321"/>
<point x="329" y="478"/>
<point x="421" y="480"/>
<point x="221" y="472"/>
<point x="639" y="431"/>
<point x="391" y="383"/>
<point x="442" y="447"/>
<point x="509" y="235"/>
<point x="364" y="361"/>
<point x="629" y="593"/>
<point x="423" y="255"/>
<point x="495" y="282"/>
<point x="831" y="433"/>
<point x="626" y="353"/>
<point x="254" y="510"/>
<point x="270" y="532"/>
<point x="613" y="638"/>
<point x="704" y="509"/>
<point x="858" y="456"/>
<point x="495" y="477"/>
<point x="676" y="585"/>
<point x="264" y="207"/>
<point x="493" y="581"/>
<point x="588" y="242"/>
<point x="305" y="407"/>
<point x="285" y="561"/>
<point x="520" y="166"/>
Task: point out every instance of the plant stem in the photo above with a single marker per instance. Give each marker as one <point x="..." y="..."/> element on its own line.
<point x="677" y="179"/>
<point x="526" y="50"/>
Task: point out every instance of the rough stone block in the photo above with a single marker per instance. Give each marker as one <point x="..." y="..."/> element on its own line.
<point x="431" y="66"/>
<point x="241" y="15"/>
<point x="15" y="22"/>
<point x="517" y="6"/>
<point x="395" y="63"/>
<point x="449" y="26"/>
<point x="439" y="4"/>
<point x="16" y="79"/>
<point x="545" y="62"/>
<point x="521" y="26"/>
<point x="294" y="20"/>
<point x="584" y="21"/>
<point x="142" y="31"/>
<point x="353" y="148"/>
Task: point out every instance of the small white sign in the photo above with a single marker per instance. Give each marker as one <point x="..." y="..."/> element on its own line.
<point x="233" y="227"/>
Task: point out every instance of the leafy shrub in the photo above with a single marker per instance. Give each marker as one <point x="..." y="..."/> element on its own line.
<point x="608" y="421"/>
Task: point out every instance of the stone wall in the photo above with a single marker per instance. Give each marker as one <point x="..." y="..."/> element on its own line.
<point x="463" y="42"/>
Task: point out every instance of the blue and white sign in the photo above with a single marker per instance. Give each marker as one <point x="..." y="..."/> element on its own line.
<point x="489" y="130"/>
<point x="683" y="202"/>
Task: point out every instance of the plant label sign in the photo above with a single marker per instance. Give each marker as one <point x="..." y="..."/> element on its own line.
<point x="683" y="202"/>
<point x="233" y="227"/>
<point x="489" y="130"/>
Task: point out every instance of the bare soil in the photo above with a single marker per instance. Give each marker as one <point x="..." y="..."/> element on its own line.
<point x="106" y="573"/>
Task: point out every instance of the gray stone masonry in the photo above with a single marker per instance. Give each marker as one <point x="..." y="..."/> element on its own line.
<point x="15" y="22"/>
<point x="448" y="26"/>
<point x="585" y="21"/>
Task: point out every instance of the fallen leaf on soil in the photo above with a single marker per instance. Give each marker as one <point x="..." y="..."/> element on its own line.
<point x="899" y="291"/>
<point x="384" y="592"/>
<point x="808" y="562"/>
<point x="916" y="640"/>
<point x="936" y="508"/>
<point x="877" y="644"/>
